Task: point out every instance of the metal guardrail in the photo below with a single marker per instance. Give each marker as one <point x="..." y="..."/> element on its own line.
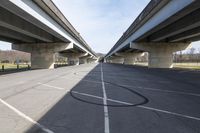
<point x="16" y="68"/>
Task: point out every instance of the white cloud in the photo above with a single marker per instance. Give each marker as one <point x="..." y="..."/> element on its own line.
<point x="101" y="22"/>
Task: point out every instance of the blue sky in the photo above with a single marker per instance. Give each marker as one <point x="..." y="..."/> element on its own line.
<point x="100" y="22"/>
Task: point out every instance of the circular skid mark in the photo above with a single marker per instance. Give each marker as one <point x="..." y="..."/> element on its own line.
<point x="144" y="101"/>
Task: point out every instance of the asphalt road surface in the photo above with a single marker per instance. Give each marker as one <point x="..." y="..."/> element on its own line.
<point x="100" y="98"/>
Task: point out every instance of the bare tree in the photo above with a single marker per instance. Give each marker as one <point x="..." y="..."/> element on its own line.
<point x="192" y="51"/>
<point x="11" y="56"/>
<point x="191" y="54"/>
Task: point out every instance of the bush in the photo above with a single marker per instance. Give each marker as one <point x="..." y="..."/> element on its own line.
<point x="5" y="61"/>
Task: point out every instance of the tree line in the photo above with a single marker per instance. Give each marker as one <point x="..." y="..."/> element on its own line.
<point x="191" y="55"/>
<point x="11" y="56"/>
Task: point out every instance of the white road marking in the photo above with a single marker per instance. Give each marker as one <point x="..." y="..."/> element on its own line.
<point x="168" y="91"/>
<point x="168" y="112"/>
<point x="89" y="95"/>
<point x="106" y="115"/>
<point x="143" y="107"/>
<point x="26" y="117"/>
<point x="105" y="99"/>
<point x="152" y="89"/>
<point x="117" y="101"/>
<point x="55" y="87"/>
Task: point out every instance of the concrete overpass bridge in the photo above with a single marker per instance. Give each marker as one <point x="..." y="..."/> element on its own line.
<point x="163" y="27"/>
<point x="39" y="27"/>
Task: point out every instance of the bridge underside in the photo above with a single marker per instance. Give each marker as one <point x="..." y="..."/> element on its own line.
<point x="183" y="26"/>
<point x="161" y="38"/>
<point x="39" y="29"/>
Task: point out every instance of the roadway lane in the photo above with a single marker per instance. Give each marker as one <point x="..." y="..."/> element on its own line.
<point x="73" y="99"/>
<point x="39" y="101"/>
<point x="173" y="100"/>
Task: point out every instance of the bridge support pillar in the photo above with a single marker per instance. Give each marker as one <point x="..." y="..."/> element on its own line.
<point x="129" y="58"/>
<point x="160" y="59"/>
<point x="73" y="60"/>
<point x="83" y="60"/>
<point x="42" y="54"/>
<point x="42" y="59"/>
<point x="117" y="60"/>
<point x="160" y="54"/>
<point x="92" y="60"/>
<point x="109" y="60"/>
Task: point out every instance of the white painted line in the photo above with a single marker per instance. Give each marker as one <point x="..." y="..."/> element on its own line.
<point x="168" y="112"/>
<point x="152" y="89"/>
<point x="106" y="115"/>
<point x="89" y="95"/>
<point x="98" y="97"/>
<point x="168" y="91"/>
<point x="143" y="107"/>
<point x="26" y="117"/>
<point x="117" y="101"/>
<point x="50" y="86"/>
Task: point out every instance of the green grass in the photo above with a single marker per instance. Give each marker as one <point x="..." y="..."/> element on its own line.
<point x="195" y="66"/>
<point x="187" y="67"/>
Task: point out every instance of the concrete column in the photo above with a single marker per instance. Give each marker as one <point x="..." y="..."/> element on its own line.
<point x="160" y="59"/>
<point x="160" y="54"/>
<point x="83" y="60"/>
<point x="108" y="60"/>
<point x="129" y="58"/>
<point x="43" y="59"/>
<point x="42" y="54"/>
<point x="117" y="60"/>
<point x="73" y="60"/>
<point x="91" y="60"/>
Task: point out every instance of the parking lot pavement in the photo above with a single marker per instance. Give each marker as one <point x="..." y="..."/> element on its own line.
<point x="100" y="98"/>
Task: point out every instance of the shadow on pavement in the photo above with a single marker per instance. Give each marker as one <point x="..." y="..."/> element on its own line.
<point x="80" y="113"/>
